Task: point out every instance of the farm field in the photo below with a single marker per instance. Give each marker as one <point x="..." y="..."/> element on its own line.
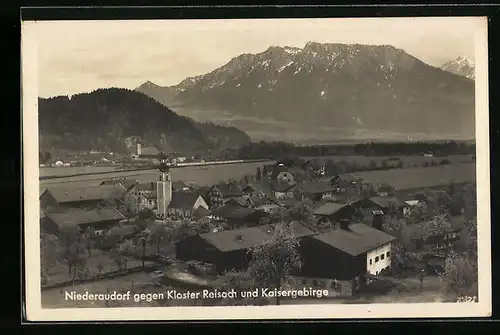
<point x="422" y="177"/>
<point x="63" y="171"/>
<point x="201" y="175"/>
<point x="401" y="179"/>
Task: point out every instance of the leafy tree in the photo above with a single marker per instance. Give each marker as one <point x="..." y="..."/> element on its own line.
<point x="73" y="248"/>
<point x="460" y="275"/>
<point x="237" y="280"/>
<point x="438" y="226"/>
<point x="157" y="236"/>
<point x="302" y="212"/>
<point x="273" y="262"/>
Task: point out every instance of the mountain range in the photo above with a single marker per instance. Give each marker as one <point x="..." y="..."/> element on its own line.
<point x="462" y="66"/>
<point x="114" y="119"/>
<point x="326" y="92"/>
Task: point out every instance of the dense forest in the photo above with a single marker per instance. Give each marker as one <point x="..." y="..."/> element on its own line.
<point x="110" y="119"/>
<point x="281" y="149"/>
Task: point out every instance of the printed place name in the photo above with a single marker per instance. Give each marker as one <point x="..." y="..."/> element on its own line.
<point x="195" y="295"/>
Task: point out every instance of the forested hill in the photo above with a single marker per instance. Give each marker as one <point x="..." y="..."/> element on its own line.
<point x="113" y="119"/>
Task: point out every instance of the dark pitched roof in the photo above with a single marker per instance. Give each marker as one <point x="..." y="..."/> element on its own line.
<point x="264" y="185"/>
<point x="316" y="187"/>
<point x="385" y="202"/>
<point x="183" y="200"/>
<point x="152" y="186"/>
<point x="179" y="184"/>
<point x="80" y="216"/>
<point x="289" y="202"/>
<point x="346" y="177"/>
<point x="282" y="187"/>
<point x="246" y="238"/>
<point x="238" y="202"/>
<point x="236" y="212"/>
<point x="359" y="239"/>
<point x="229" y="189"/>
<point x="87" y="193"/>
<point x="126" y="183"/>
<point x="328" y="208"/>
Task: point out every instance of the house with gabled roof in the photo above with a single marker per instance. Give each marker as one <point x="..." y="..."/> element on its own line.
<point x="80" y="197"/>
<point x="387" y="204"/>
<point x="236" y="216"/>
<point x="99" y="219"/>
<point x="144" y="196"/>
<point x="350" y="252"/>
<point x="220" y="193"/>
<point x="316" y="190"/>
<point x="332" y="212"/>
<point x="186" y="203"/>
<point x="228" y="249"/>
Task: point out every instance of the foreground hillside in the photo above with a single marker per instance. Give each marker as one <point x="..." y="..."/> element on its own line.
<point x="113" y="119"/>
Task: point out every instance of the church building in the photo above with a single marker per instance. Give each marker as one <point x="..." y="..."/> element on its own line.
<point x="159" y="197"/>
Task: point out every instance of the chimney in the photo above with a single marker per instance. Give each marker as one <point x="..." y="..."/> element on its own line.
<point x="344" y="224"/>
<point x="377" y="219"/>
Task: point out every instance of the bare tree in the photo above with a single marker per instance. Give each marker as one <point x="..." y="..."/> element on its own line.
<point x="124" y="250"/>
<point x="274" y="261"/>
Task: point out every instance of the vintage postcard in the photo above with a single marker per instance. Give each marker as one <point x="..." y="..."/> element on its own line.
<point x="256" y="169"/>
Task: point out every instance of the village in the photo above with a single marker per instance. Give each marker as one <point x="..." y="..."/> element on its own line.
<point x="290" y="225"/>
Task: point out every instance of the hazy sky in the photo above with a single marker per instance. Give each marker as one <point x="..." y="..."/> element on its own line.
<point x="80" y="56"/>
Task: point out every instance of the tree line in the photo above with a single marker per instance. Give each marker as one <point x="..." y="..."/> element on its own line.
<point x="272" y="150"/>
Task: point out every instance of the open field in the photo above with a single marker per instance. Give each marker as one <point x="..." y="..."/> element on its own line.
<point x="401" y="179"/>
<point x="201" y="175"/>
<point x="422" y="177"/>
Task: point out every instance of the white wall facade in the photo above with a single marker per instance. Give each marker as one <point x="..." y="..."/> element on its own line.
<point x="378" y="259"/>
<point x="163" y="193"/>
<point x="200" y="202"/>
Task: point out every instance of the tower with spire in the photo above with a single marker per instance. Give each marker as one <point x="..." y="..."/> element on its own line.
<point x="163" y="188"/>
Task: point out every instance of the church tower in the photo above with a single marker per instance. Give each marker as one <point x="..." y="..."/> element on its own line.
<point x="164" y="189"/>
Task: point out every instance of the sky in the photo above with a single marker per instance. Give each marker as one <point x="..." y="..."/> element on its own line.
<point x="81" y="56"/>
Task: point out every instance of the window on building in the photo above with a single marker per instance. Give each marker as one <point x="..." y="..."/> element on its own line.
<point x="388" y="253"/>
<point x="371" y="260"/>
<point x="382" y="256"/>
<point x="376" y="259"/>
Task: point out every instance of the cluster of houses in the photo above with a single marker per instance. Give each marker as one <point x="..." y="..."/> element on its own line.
<point x="355" y="245"/>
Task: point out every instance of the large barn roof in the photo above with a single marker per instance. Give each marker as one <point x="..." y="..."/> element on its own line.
<point x="358" y="239"/>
